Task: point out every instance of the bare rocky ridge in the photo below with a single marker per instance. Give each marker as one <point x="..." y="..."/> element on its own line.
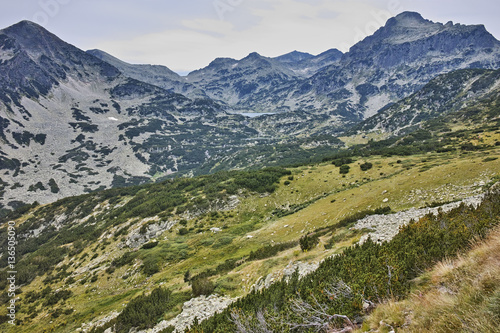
<point x="303" y="268"/>
<point x="156" y="75"/>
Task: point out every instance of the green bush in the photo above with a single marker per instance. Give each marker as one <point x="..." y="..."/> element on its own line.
<point x="53" y="186"/>
<point x="222" y="241"/>
<point x="202" y="286"/>
<point x="308" y="242"/>
<point x="149" y="245"/>
<point x="144" y="311"/>
<point x="366" y="166"/>
<point x="150" y="266"/>
<point x="341" y="161"/>
<point x="125" y="259"/>
<point x="344" y="169"/>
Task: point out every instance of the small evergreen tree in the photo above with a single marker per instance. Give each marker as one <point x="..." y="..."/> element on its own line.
<point x="202" y="286"/>
<point x="187" y="276"/>
<point x="366" y="166"/>
<point x="307" y="242"/>
<point x="344" y="169"/>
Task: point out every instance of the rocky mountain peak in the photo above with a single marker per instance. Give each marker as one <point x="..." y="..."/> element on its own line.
<point x="293" y="57"/>
<point x="255" y="59"/>
<point x="411" y="26"/>
<point x="409" y="37"/>
<point x="217" y="62"/>
<point x="253" y="55"/>
<point x="24" y="27"/>
<point x="32" y="37"/>
<point x="52" y="55"/>
<point x="408" y="19"/>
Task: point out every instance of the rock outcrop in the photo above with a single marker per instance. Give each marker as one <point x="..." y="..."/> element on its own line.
<point x="201" y="307"/>
<point x="303" y="269"/>
<point x="385" y="227"/>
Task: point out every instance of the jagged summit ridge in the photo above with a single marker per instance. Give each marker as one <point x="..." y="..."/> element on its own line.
<point x="410" y="27"/>
<point x="32" y="41"/>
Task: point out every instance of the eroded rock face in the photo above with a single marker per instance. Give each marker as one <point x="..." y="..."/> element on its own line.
<point x="98" y="323"/>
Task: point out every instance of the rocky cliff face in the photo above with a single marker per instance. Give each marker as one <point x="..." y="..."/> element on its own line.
<point x="396" y="61"/>
<point x="441" y="96"/>
<point x="408" y="39"/>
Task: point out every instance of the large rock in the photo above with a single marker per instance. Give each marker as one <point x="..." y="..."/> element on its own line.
<point x="201" y="307"/>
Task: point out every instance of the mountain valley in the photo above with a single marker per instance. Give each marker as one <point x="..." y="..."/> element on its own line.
<point x="145" y="201"/>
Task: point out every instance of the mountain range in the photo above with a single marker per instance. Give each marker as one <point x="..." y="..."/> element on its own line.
<point x="75" y="122"/>
<point x="290" y="194"/>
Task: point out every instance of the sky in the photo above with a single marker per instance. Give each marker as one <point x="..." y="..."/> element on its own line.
<point x="187" y="35"/>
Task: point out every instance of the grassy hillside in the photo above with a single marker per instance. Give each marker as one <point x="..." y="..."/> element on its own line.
<point x="83" y="258"/>
<point x="344" y="287"/>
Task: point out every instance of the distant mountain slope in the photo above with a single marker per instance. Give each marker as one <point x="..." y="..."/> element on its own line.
<point x="441" y="96"/>
<point x="341" y="90"/>
<point x="67" y="119"/>
<point x="257" y="83"/>
<point x="157" y="75"/>
<point x="305" y="64"/>
<point x="397" y="60"/>
<point x="294" y="57"/>
<point x="246" y="84"/>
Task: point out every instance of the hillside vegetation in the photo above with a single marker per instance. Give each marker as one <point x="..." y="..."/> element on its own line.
<point x="456" y="295"/>
<point x="343" y="287"/>
<point x="80" y="267"/>
<point x="130" y="257"/>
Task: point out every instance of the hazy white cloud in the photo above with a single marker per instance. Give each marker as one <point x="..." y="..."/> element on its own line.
<point x="277" y="27"/>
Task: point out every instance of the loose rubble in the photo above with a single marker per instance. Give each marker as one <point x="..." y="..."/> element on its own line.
<point x="385" y="227"/>
<point x="98" y="323"/>
<point x="201" y="307"/>
<point x="303" y="268"/>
